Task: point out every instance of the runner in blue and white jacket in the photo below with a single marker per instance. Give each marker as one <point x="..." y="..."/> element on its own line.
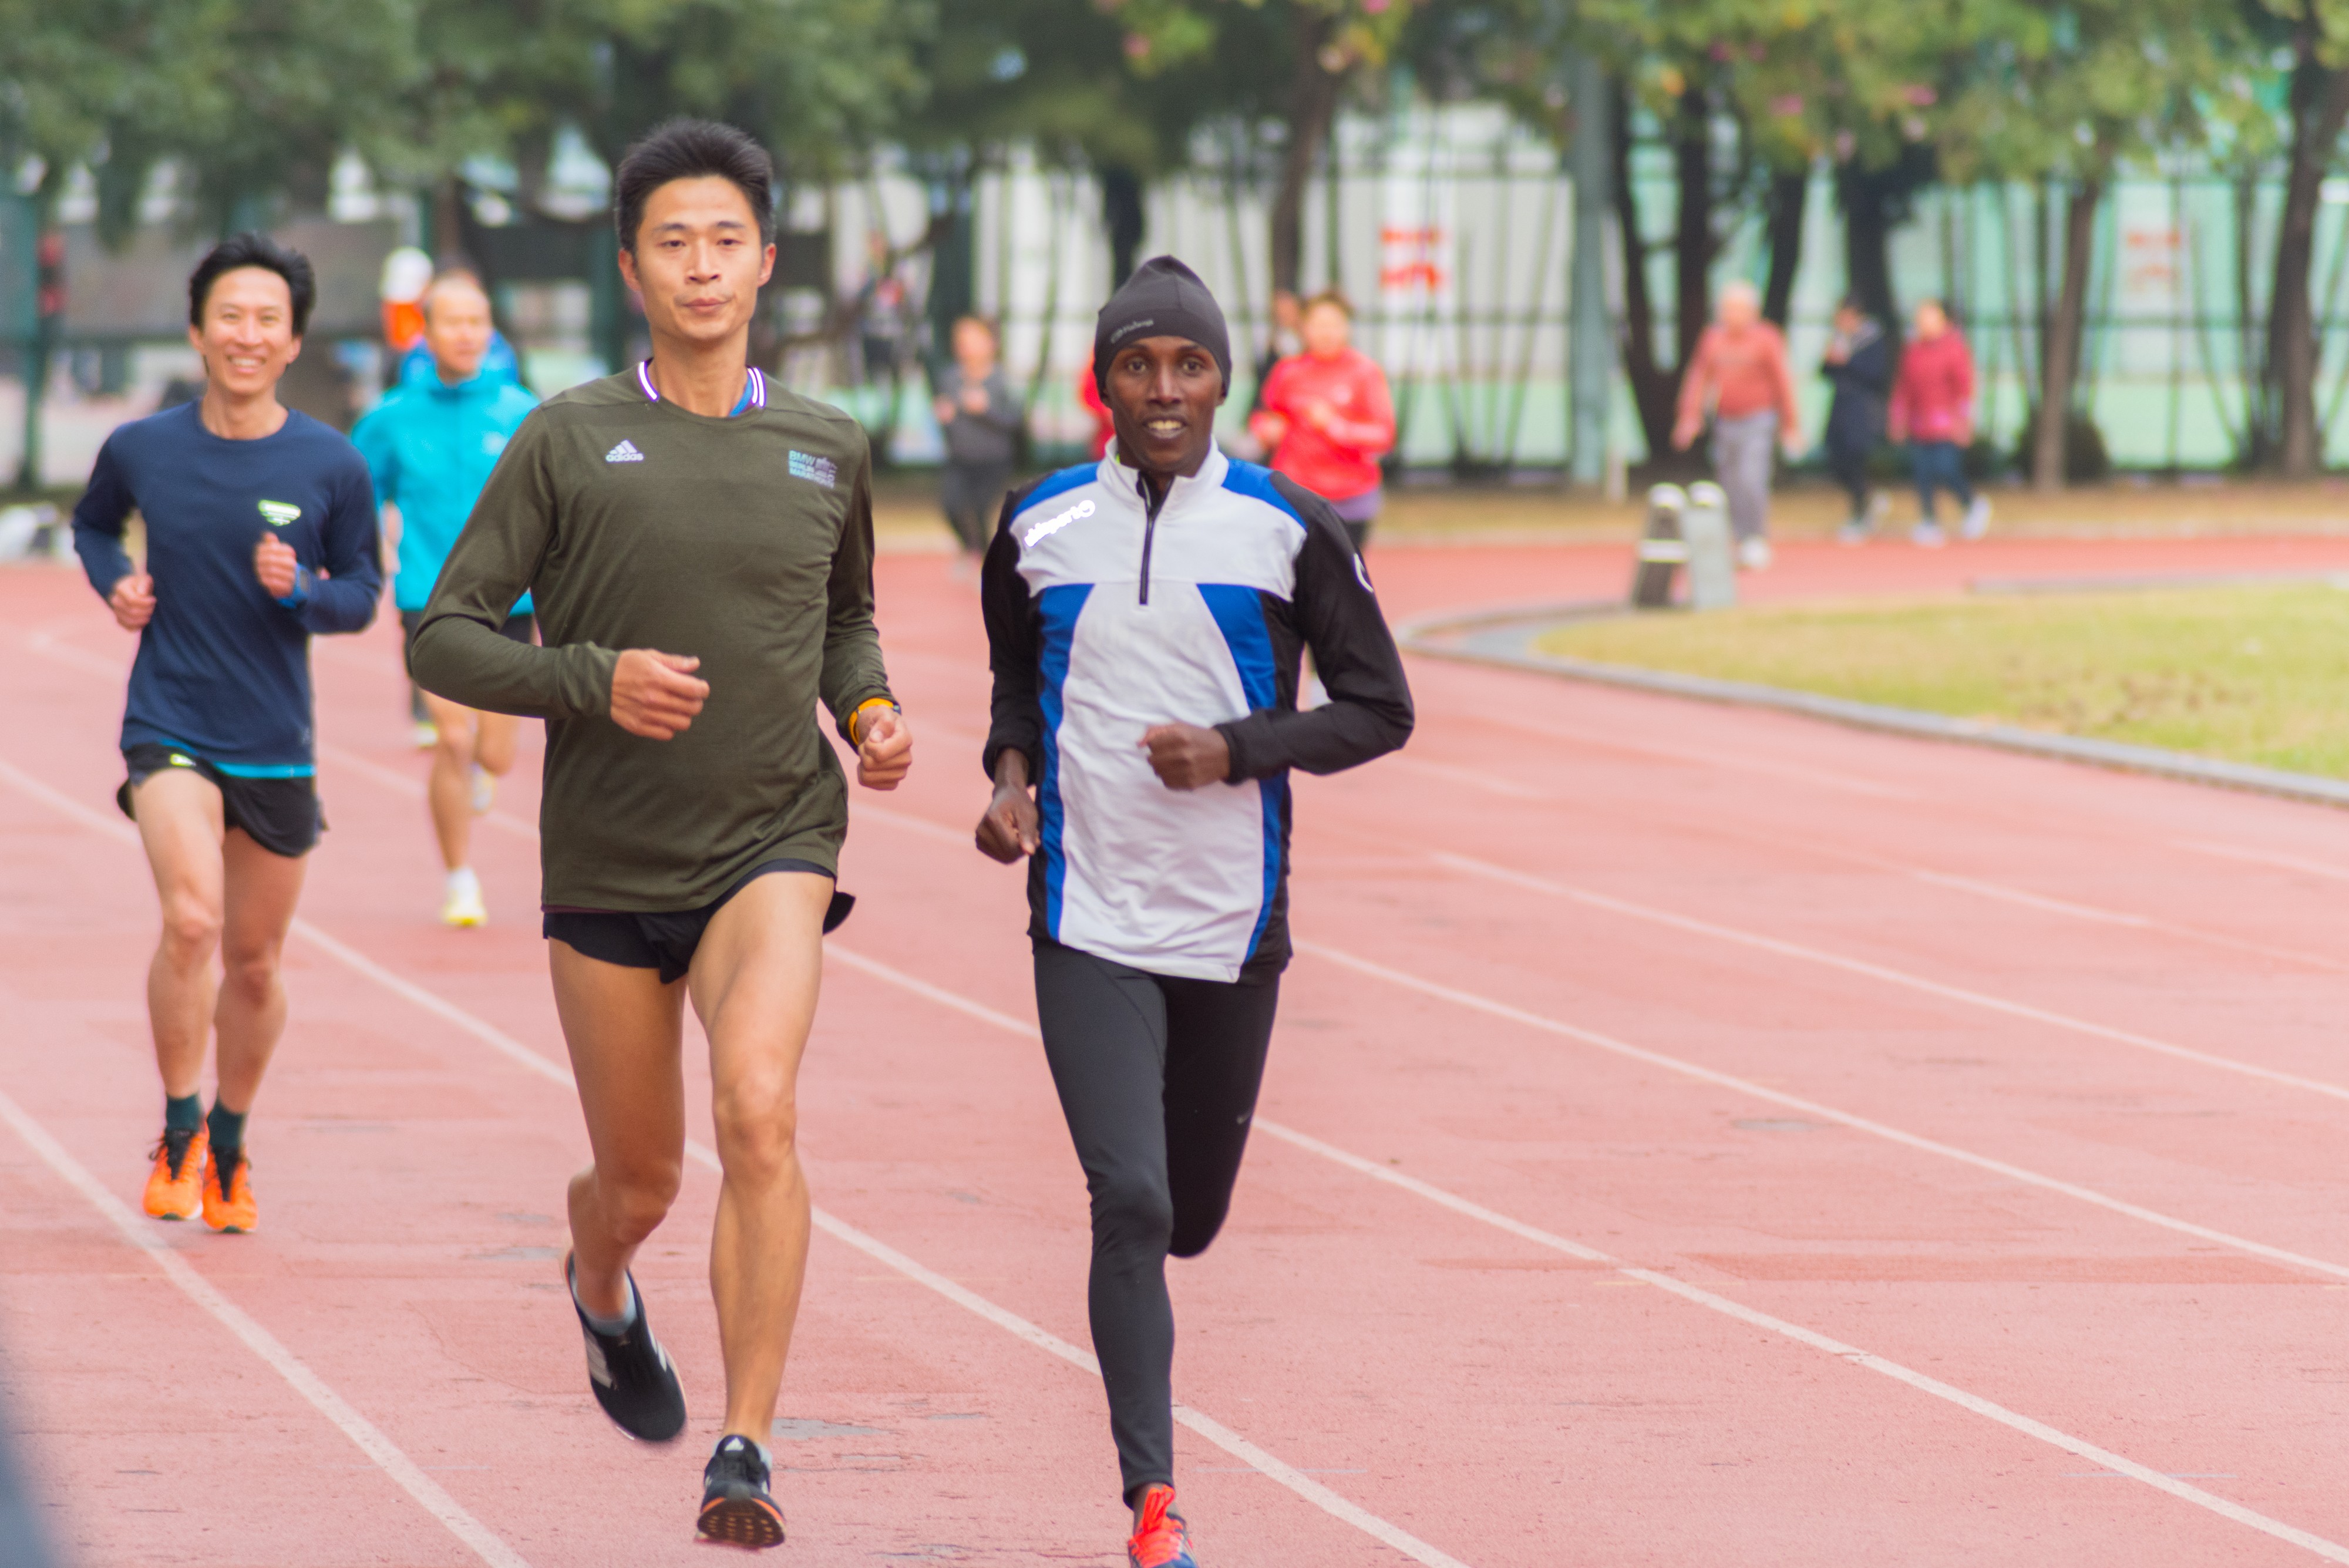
<point x="1146" y="616"/>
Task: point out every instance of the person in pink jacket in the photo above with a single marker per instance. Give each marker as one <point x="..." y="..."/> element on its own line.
<point x="1933" y="410"/>
<point x="1327" y="417"/>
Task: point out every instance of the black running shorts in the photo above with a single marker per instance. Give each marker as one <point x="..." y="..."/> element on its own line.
<point x="517" y="628"/>
<point x="668" y="943"/>
<point x="281" y="816"/>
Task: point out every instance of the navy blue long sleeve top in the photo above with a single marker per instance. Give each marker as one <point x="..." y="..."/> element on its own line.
<point x="223" y="670"/>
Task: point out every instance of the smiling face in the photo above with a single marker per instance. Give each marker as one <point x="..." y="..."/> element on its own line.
<point x="697" y="262"/>
<point x="247" y="336"/>
<point x="1163" y="393"/>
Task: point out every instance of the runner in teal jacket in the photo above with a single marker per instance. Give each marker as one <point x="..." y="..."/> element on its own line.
<point x="431" y="445"/>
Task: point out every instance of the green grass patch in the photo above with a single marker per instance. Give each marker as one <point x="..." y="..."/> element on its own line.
<point x="2250" y="674"/>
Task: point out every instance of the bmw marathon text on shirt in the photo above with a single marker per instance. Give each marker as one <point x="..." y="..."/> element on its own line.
<point x="223" y="670"/>
<point x="1106" y="617"/>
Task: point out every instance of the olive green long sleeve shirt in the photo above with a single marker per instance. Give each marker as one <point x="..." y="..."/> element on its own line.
<point x="746" y="541"/>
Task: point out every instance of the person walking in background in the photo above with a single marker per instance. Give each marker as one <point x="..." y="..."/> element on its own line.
<point x="431" y="445"/>
<point x="1859" y="365"/>
<point x="981" y="420"/>
<point x="1739" y="372"/>
<point x="1933" y="412"/>
<point x="1326" y="418"/>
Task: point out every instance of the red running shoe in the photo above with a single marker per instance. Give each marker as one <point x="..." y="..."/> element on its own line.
<point x="1161" y="1540"/>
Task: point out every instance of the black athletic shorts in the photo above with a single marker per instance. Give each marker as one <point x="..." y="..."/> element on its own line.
<point x="281" y="816"/>
<point x="668" y="943"/>
<point x="517" y="628"/>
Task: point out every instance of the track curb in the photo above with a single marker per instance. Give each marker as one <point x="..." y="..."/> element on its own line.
<point x="1501" y="637"/>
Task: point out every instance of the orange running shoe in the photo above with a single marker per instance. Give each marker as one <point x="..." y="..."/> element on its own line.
<point x="1161" y="1540"/>
<point x="233" y="1211"/>
<point x="175" y="1187"/>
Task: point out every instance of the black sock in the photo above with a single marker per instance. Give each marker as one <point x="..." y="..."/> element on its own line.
<point x="184" y="1115"/>
<point x="228" y="1134"/>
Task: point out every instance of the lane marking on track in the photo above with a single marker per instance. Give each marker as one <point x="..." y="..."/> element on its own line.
<point x="1654" y="1058"/>
<point x="1330" y="1502"/>
<point x="363" y="1433"/>
<point x="2014" y="1421"/>
<point x="1607" y="1042"/>
<point x="1882" y="972"/>
<point x="1795" y="771"/>
<point x="2264" y="858"/>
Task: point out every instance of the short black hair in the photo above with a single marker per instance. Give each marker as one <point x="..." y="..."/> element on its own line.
<point x="255" y="250"/>
<point x="692" y="149"/>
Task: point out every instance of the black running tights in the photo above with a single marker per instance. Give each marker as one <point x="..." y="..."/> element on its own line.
<point x="1158" y="1078"/>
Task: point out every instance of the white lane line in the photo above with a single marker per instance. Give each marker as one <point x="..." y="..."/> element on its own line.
<point x="1852" y="1355"/>
<point x="2264" y="858"/>
<point x="1601" y="741"/>
<point x="1470" y="778"/>
<point x="1409" y="981"/>
<point x="1653" y="1058"/>
<point x="363" y="1433"/>
<point x="1880" y="971"/>
<point x="1213" y="1431"/>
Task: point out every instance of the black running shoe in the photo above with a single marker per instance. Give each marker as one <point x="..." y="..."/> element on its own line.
<point x="630" y="1372"/>
<point x="736" y="1509"/>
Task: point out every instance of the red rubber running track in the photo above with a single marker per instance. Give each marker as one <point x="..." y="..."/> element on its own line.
<point x="1692" y="1136"/>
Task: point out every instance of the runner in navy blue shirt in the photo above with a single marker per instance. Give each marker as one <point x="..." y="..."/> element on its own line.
<point x="261" y="531"/>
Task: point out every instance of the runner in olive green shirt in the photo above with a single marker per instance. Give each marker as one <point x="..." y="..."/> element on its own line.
<point x="699" y="546"/>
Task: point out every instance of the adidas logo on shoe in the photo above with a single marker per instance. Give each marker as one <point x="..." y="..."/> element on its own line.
<point x="625" y="452"/>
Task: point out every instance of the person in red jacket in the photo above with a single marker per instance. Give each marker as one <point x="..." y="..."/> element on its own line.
<point x="1104" y="427"/>
<point x="1327" y="417"/>
<point x="1739" y="369"/>
<point x="1933" y="410"/>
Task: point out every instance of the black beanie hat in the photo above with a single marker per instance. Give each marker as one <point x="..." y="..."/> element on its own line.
<point x="1164" y="299"/>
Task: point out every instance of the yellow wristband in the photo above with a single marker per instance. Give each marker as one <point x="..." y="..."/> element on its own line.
<point x="856" y="719"/>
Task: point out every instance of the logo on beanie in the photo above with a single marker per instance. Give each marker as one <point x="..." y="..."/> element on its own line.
<point x="1133" y="327"/>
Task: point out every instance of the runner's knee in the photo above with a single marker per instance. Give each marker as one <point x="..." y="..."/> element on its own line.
<point x="191" y="929"/>
<point x="637" y="1197"/>
<point x="1132" y="1212"/>
<point x="758" y="1130"/>
<point x="1196" y="1227"/>
<point x="251" y="974"/>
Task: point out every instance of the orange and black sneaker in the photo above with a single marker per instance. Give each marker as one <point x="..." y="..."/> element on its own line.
<point x="1160" y="1539"/>
<point x="231" y="1210"/>
<point x="736" y="1509"/>
<point x="175" y="1187"/>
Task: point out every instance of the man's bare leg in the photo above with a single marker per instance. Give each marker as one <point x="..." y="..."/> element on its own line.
<point x="249" y="1018"/>
<point x="625" y="1030"/>
<point x="450" y="787"/>
<point x="179" y="816"/>
<point x="754" y="983"/>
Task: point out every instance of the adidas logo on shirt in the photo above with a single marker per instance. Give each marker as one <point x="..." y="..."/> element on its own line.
<point x="625" y="452"/>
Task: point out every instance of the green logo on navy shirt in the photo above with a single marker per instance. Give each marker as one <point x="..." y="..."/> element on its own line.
<point x="280" y="513"/>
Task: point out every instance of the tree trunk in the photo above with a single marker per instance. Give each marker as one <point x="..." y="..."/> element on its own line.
<point x="1693" y="238"/>
<point x="448" y="224"/>
<point x="1312" y="105"/>
<point x="1654" y="387"/>
<point x="2060" y="359"/>
<point x="1122" y="215"/>
<point x="2320" y="103"/>
<point x="1789" y="194"/>
<point x="1866" y="243"/>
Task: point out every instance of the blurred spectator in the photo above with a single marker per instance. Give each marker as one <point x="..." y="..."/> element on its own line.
<point x="980" y="421"/>
<point x="1283" y="343"/>
<point x="1858" y="364"/>
<point x="1105" y="425"/>
<point x="1933" y="412"/>
<point x="1739" y="371"/>
<point x="1326" y="418"/>
<point x="881" y="329"/>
